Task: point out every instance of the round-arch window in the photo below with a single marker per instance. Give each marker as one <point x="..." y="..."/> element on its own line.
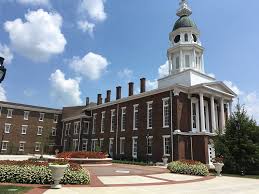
<point x="186" y="37"/>
<point x="177" y="39"/>
<point x="194" y="38"/>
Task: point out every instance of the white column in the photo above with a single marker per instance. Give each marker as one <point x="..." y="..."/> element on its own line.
<point x="213" y="117"/>
<point x="222" y="114"/>
<point x="230" y="107"/>
<point x="202" y="113"/>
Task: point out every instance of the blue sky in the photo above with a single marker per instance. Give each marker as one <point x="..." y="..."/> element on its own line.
<point x="60" y="51"/>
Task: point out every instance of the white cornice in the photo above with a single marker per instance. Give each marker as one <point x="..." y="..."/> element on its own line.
<point x="75" y="117"/>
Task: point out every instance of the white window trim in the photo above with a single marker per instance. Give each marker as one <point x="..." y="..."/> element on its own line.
<point x="150" y="137"/>
<point x="88" y="127"/>
<point x="148" y="103"/>
<point x="39" y="134"/>
<point x="165" y="99"/>
<point x="111" y="140"/>
<point x="196" y="102"/>
<point x="101" y="140"/>
<point x="86" y="144"/>
<point x="25" y="131"/>
<point x="76" y="127"/>
<point x="37" y="143"/>
<point x="55" y="120"/>
<point x="41" y="118"/>
<point x="123" y="113"/>
<point x="55" y="132"/>
<point x="134" y="114"/>
<point x="103" y="121"/>
<point x="93" y="140"/>
<point x="94" y="123"/>
<point x="11" y="115"/>
<point x="22" y="142"/>
<point x="3" y="145"/>
<point x="112" y="112"/>
<point x="26" y="113"/>
<point x="75" y="148"/>
<point x="133" y="156"/>
<point x="7" y="124"/>
<point x="164" y="137"/>
<point x="122" y="138"/>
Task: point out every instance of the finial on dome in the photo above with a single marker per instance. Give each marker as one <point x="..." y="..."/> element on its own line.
<point x="184" y="9"/>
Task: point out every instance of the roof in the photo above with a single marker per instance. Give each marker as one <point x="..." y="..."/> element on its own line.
<point x="72" y="111"/>
<point x="184" y="22"/>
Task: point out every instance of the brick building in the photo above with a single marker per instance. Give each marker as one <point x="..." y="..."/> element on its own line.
<point x="176" y="120"/>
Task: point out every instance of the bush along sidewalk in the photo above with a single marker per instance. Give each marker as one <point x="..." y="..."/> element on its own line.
<point x="188" y="167"/>
<point x="39" y="173"/>
<point x="140" y="163"/>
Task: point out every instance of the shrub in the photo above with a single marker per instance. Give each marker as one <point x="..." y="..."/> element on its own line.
<point x="188" y="167"/>
<point x="28" y="172"/>
<point x="140" y="163"/>
<point x="98" y="155"/>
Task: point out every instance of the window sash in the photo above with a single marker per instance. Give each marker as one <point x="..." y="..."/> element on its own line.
<point x="102" y="122"/>
<point x="123" y="119"/>
<point x="9" y="113"/>
<point x="166" y="115"/>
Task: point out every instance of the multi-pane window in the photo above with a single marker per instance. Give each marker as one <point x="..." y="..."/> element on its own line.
<point x="76" y="128"/>
<point x="113" y="120"/>
<point x="101" y="144"/>
<point x="111" y="146"/>
<point x="21" y="146"/>
<point x="195" y="115"/>
<point x="55" y="119"/>
<point x="122" y="145"/>
<point x="103" y="122"/>
<point x="7" y="128"/>
<point x="39" y="131"/>
<point x="9" y="113"/>
<point x="166" y="142"/>
<point x="84" y="144"/>
<point x="24" y="129"/>
<point x="123" y="119"/>
<point x="37" y="146"/>
<point x="94" y="123"/>
<point x="135" y="117"/>
<point x="41" y="116"/>
<point x="86" y="127"/>
<point x="67" y="128"/>
<point x="149" y="115"/>
<point x="94" y="145"/>
<point x="75" y="144"/>
<point x="26" y="115"/>
<point x="134" y="147"/>
<point x="166" y="116"/>
<point x="149" y="145"/>
<point x="4" y="145"/>
<point x="54" y="132"/>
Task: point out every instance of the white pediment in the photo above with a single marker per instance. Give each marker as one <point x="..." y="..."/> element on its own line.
<point x="221" y="87"/>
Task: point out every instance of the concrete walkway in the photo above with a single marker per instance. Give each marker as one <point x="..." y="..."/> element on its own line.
<point x="221" y="185"/>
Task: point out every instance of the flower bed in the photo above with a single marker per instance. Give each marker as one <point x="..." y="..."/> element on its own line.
<point x="189" y="167"/>
<point x="30" y="172"/>
<point x="96" y="155"/>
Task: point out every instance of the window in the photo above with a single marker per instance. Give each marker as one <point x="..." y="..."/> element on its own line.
<point x="134" y="147"/>
<point x="194" y="38"/>
<point x="21" y="146"/>
<point x="166" y="142"/>
<point x="94" y="123"/>
<point x="149" y="115"/>
<point x="122" y="145"/>
<point x="75" y="144"/>
<point x="149" y="145"/>
<point x="101" y="144"/>
<point x="24" y="129"/>
<point x="0" y="110"/>
<point x="7" y="128"/>
<point x="113" y="120"/>
<point x="166" y="116"/>
<point x="55" y="118"/>
<point x="187" y="61"/>
<point x="93" y="145"/>
<point x="111" y="146"/>
<point x="40" y="129"/>
<point x="186" y="38"/>
<point x="102" y="122"/>
<point x="135" y="117"/>
<point x="26" y="115"/>
<point x="84" y="144"/>
<point x="195" y="115"/>
<point x="4" y="145"/>
<point x="177" y="62"/>
<point x="54" y="132"/>
<point x="9" y="113"/>
<point x="76" y="128"/>
<point x="37" y="146"/>
<point x="177" y="38"/>
<point x="67" y="129"/>
<point x="41" y="116"/>
<point x="206" y="116"/>
<point x="123" y="119"/>
<point x="86" y="127"/>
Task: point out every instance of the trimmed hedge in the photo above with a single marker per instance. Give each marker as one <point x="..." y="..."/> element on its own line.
<point x="188" y="167"/>
<point x="130" y="162"/>
<point x="99" y="155"/>
<point x="39" y="173"/>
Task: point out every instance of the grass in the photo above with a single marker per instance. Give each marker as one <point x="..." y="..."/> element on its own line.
<point x="9" y="189"/>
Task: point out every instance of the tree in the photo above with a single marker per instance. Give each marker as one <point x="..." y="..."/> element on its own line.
<point x="239" y="145"/>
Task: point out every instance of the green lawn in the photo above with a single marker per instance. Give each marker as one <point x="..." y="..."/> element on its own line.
<point x="9" y="189"/>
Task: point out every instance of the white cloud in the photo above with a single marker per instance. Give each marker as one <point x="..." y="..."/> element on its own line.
<point x="94" y="9"/>
<point x="151" y="85"/>
<point x="2" y="94"/>
<point x="125" y="74"/>
<point x="233" y="87"/>
<point x="91" y="65"/>
<point x="212" y="75"/>
<point x="251" y="101"/>
<point x="163" y="70"/>
<point x="86" y="26"/>
<point x="6" y="53"/>
<point x="39" y="37"/>
<point x="34" y="2"/>
<point x="65" y="91"/>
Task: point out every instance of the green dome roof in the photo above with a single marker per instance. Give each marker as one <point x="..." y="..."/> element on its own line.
<point x="184" y="22"/>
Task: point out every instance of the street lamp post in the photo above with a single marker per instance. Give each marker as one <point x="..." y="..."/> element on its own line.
<point x="2" y="69"/>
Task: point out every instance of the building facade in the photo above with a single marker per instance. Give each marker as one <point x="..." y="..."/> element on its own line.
<point x="177" y="120"/>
